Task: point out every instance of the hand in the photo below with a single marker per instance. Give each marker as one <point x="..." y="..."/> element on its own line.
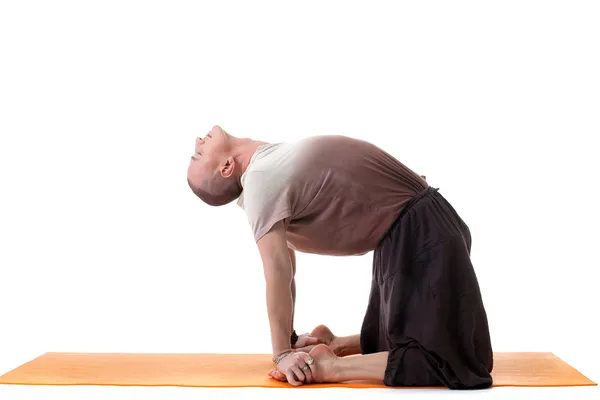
<point x="305" y="340"/>
<point x="294" y="368"/>
<point x="324" y="336"/>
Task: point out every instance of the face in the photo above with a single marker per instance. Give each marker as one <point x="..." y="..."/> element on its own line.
<point x="210" y="155"/>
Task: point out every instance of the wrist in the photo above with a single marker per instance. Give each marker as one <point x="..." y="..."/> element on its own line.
<point x="293" y="338"/>
<point x="280" y="338"/>
<point x="278" y="357"/>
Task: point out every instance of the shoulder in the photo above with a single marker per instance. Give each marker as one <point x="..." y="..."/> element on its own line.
<point x="270" y="169"/>
<point x="265" y="200"/>
<point x="263" y="188"/>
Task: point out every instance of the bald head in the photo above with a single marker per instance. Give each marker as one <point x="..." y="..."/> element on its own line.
<point x="216" y="168"/>
<point x="216" y="190"/>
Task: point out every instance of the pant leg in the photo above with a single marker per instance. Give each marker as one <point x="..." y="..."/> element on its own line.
<point x="425" y="306"/>
<point x="409" y="364"/>
<point x="442" y="336"/>
<point x="370" y="334"/>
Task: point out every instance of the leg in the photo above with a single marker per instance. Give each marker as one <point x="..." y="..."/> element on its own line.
<point x="347" y="345"/>
<point x="329" y="368"/>
<point x="437" y="326"/>
<point x="406" y="366"/>
<point x="363" y="367"/>
<point x="425" y="306"/>
<point x="411" y="366"/>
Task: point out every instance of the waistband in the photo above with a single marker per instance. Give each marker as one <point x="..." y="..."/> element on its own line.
<point x="425" y="193"/>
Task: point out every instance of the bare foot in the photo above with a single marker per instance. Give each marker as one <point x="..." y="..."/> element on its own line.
<point x="324" y="368"/>
<point x="324" y="334"/>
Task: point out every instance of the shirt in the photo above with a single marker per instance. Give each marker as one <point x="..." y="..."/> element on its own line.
<point x="336" y="195"/>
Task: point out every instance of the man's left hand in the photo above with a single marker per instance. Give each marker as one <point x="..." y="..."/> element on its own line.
<point x="305" y="340"/>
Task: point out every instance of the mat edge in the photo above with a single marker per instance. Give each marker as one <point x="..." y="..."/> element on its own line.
<point x="323" y="386"/>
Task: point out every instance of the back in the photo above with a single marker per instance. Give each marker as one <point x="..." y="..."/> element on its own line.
<point x="336" y="195"/>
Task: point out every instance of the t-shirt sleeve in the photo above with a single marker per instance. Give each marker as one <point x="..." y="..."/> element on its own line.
<point x="266" y="201"/>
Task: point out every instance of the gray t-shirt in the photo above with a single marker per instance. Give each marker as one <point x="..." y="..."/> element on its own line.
<point x="336" y="195"/>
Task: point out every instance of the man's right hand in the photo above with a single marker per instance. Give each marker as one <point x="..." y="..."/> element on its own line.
<point x="296" y="368"/>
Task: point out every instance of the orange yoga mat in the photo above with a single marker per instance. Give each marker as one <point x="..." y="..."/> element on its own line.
<point x="244" y="370"/>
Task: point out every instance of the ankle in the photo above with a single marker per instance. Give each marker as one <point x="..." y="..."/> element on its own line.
<point x="336" y="371"/>
<point x="335" y="345"/>
<point x="342" y="346"/>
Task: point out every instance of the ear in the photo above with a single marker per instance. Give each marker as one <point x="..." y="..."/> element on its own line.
<point x="227" y="168"/>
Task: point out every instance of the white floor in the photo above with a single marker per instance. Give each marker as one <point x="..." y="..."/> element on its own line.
<point x="16" y="392"/>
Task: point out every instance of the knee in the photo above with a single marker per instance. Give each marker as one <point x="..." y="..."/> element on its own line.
<point x="414" y="366"/>
<point x="408" y="366"/>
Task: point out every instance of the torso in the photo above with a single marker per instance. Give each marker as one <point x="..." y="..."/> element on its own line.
<point x="336" y="195"/>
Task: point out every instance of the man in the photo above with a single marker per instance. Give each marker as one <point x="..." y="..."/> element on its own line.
<point x="425" y="323"/>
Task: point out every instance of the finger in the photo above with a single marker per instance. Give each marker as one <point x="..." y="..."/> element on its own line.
<point x="307" y="369"/>
<point x="306" y="349"/>
<point x="291" y="378"/>
<point x="278" y="375"/>
<point x="298" y="372"/>
<point x="307" y="373"/>
<point x="313" y="340"/>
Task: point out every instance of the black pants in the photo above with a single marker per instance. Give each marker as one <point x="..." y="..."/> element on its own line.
<point x="425" y="305"/>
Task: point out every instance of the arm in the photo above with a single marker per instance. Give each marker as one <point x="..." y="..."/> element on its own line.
<point x="279" y="278"/>
<point x="303" y="339"/>
<point x="293" y="261"/>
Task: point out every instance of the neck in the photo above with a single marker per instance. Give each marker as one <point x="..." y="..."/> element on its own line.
<point x="243" y="150"/>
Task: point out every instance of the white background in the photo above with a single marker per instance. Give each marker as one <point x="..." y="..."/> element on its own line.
<point x="103" y="247"/>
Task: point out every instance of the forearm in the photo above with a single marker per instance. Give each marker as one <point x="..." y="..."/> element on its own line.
<point x="279" y="275"/>
<point x="280" y="308"/>
<point x="293" y="261"/>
